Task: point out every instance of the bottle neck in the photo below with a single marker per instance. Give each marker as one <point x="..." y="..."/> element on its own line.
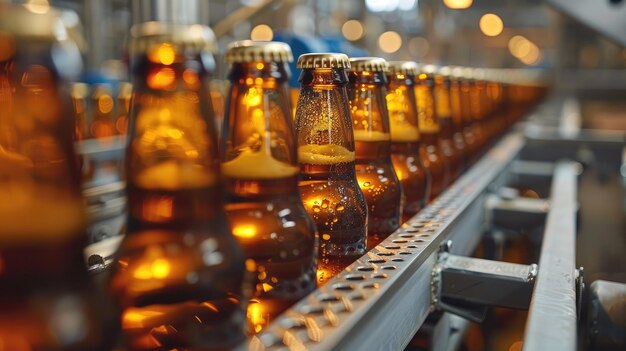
<point x="258" y="142"/>
<point x="323" y="78"/>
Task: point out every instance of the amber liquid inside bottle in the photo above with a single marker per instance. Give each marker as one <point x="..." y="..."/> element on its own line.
<point x="468" y="124"/>
<point x="456" y="110"/>
<point x="178" y="274"/>
<point x="477" y="114"/>
<point x="374" y="168"/>
<point x="264" y="207"/>
<point x="103" y="123"/>
<point x="429" y="127"/>
<point x="328" y="185"/>
<point x="406" y="145"/>
<point x="446" y="124"/>
<point x="46" y="301"/>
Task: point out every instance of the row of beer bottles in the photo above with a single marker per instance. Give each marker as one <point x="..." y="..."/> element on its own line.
<point x="180" y="278"/>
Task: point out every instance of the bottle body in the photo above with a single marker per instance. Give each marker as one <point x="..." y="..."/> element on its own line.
<point x="407" y="158"/>
<point x="406" y="138"/>
<point x="374" y="168"/>
<point x="443" y="110"/>
<point x="328" y="185"/>
<point x="456" y="110"/>
<point x="432" y="157"/>
<point x="179" y="274"/>
<point x="46" y="299"/>
<point x="263" y="202"/>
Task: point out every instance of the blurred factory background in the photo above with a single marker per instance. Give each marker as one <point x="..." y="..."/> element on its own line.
<point x="538" y="34"/>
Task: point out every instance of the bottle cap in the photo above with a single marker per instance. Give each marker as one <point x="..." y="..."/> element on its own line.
<point x="254" y="51"/>
<point x="409" y="68"/>
<point x="369" y="64"/>
<point x="445" y="71"/>
<point x="429" y="70"/>
<point x="323" y="60"/>
<point x="196" y="36"/>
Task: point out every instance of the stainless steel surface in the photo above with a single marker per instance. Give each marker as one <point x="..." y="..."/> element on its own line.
<point x="607" y="17"/>
<point x="174" y="11"/>
<point x="380" y="301"/>
<point x="449" y="333"/>
<point x="606" y="318"/>
<point x="519" y="213"/>
<point x="551" y="323"/>
<point x="484" y="282"/>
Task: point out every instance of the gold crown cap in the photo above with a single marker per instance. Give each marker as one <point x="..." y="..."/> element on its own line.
<point x="368" y="64"/>
<point x="403" y="67"/>
<point x="144" y="36"/>
<point x="254" y="51"/>
<point x="323" y="60"/>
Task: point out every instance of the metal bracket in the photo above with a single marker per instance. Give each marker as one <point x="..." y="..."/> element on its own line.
<point x="516" y="213"/>
<point x="467" y="286"/>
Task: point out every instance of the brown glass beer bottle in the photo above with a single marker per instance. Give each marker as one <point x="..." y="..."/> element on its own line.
<point x="406" y="147"/>
<point x="456" y="110"/>
<point x="328" y="185"/>
<point x="443" y="110"/>
<point x="374" y="170"/>
<point x="46" y="300"/>
<point x="434" y="159"/>
<point x="179" y="271"/>
<point x="260" y="165"/>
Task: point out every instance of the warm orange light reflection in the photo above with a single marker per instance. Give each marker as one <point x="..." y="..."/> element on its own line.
<point x="245" y="231"/>
<point x="164" y="54"/>
<point x="257" y="316"/>
<point x="525" y="50"/>
<point x="134" y="318"/>
<point x="157" y="269"/>
<point x="105" y="103"/>
<point x="262" y="32"/>
<point x="491" y="25"/>
<point x="191" y="79"/>
<point x="352" y="30"/>
<point x="458" y="4"/>
<point x="161" y="79"/>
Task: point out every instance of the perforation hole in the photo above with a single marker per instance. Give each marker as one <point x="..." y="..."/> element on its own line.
<point x="392" y="247"/>
<point x="399" y="241"/>
<point x="379" y="276"/>
<point x="310" y="309"/>
<point x="328" y="298"/>
<point x="406" y="253"/>
<point x="419" y="241"/>
<point x="386" y="253"/>
<point x="377" y="260"/>
<point x="388" y="268"/>
<point x="398" y="259"/>
<point x="424" y="236"/>
<point x="356" y="296"/>
<point x="408" y="235"/>
<point x="367" y="268"/>
<point x="411" y="247"/>
<point x="354" y="277"/>
<point x="343" y="287"/>
<point x="370" y="286"/>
